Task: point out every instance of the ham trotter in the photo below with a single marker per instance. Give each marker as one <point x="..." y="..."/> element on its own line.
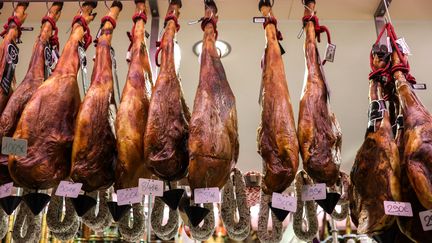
<point x="9" y="52"/>
<point x="213" y="139"/>
<point x="48" y="119"/>
<point x="165" y="143"/>
<point x="378" y="160"/>
<point x="131" y="117"/>
<point x="277" y="137"/>
<point x="46" y="42"/>
<point x="319" y="134"/>
<point x="94" y="145"/>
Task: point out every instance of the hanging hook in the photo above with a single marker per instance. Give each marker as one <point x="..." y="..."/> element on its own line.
<point x="106" y="5"/>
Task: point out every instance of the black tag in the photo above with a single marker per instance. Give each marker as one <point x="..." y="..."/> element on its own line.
<point x="9" y="70"/>
<point x="258" y="20"/>
<point x="419" y="86"/>
<point x="376" y="112"/>
<point x="48" y="61"/>
<point x="281" y="48"/>
<point x="83" y="62"/>
<point x="400" y="122"/>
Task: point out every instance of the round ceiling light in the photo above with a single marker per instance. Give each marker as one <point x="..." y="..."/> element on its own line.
<point x="222" y="46"/>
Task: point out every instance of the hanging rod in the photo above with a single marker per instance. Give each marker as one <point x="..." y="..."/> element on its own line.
<point x="44" y="1"/>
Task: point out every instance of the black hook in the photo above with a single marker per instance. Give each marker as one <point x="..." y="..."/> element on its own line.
<point x="265" y="3"/>
<point x="212" y="4"/>
<point x="178" y="2"/>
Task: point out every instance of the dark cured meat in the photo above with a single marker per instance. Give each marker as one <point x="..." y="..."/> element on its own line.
<point x="319" y="134"/>
<point x="378" y="161"/>
<point x="33" y="79"/>
<point x="48" y="120"/>
<point x="94" y="145"/>
<point x="213" y="139"/>
<point x="277" y="136"/>
<point x="417" y="138"/>
<point x="11" y="36"/>
<point x="165" y="143"/>
<point x="132" y="114"/>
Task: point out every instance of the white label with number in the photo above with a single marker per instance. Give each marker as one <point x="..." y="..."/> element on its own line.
<point x="68" y="189"/>
<point x="128" y="196"/>
<point x="426" y="220"/>
<point x="314" y="192"/>
<point x="151" y="187"/>
<point x="12" y="146"/>
<point x="284" y="202"/>
<point x="207" y="195"/>
<point x="405" y="48"/>
<point x="398" y="208"/>
<point x="6" y="190"/>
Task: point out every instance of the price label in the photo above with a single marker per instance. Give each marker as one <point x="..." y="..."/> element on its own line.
<point x="398" y="208"/>
<point x="426" y="219"/>
<point x="207" y="195"/>
<point x="6" y="190"/>
<point x="314" y="192"/>
<point x="419" y="86"/>
<point x="12" y="146"/>
<point x="258" y="20"/>
<point x="403" y="44"/>
<point x="284" y="202"/>
<point x="151" y="187"/>
<point x="330" y="52"/>
<point x="68" y="189"/>
<point x="128" y="196"/>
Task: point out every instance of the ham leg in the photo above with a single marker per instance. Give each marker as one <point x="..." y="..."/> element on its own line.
<point x="319" y="134"/>
<point x="132" y="114"/>
<point x="213" y="140"/>
<point x="378" y="161"/>
<point x="48" y="120"/>
<point x="94" y="145"/>
<point x="277" y="137"/>
<point x="165" y="143"/>
<point x="33" y="79"/>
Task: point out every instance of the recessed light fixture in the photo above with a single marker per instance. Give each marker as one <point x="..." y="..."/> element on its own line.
<point x="222" y="46"/>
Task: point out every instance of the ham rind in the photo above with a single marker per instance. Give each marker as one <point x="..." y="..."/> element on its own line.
<point x="94" y="146"/>
<point x="131" y="117"/>
<point x="48" y="119"/>
<point x="277" y="136"/>
<point x="213" y="139"/>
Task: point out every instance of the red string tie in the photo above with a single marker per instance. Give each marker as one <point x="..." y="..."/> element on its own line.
<point x="87" y="36"/>
<point x="11" y="22"/>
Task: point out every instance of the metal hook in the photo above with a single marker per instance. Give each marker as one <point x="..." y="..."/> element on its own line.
<point x="106" y="5"/>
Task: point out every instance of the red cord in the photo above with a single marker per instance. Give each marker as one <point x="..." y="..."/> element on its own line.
<point x="135" y="18"/>
<point x="54" y="40"/>
<point x="12" y="19"/>
<point x="87" y="36"/>
<point x="103" y="21"/>
<point x="273" y="20"/>
<point x="170" y="16"/>
<point x="318" y="29"/>
<point x="212" y="21"/>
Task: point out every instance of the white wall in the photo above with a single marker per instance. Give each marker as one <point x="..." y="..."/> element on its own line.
<point x="348" y="76"/>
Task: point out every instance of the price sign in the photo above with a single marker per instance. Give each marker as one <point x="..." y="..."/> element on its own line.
<point x="68" y="189"/>
<point x="314" y="192"/>
<point x="426" y="219"/>
<point x="284" y="202"/>
<point x="151" y="187"/>
<point x="128" y="196"/>
<point x="207" y="195"/>
<point x="6" y="190"/>
<point x="398" y="208"/>
<point x="12" y="146"/>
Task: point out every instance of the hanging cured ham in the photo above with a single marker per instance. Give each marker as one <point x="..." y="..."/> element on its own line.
<point x="94" y="145"/>
<point x="319" y="134"/>
<point x="417" y="139"/>
<point x="46" y="42"/>
<point x="213" y="139"/>
<point x="378" y="161"/>
<point x="132" y="114"/>
<point x="9" y="52"/>
<point x="277" y="137"/>
<point x="48" y="120"/>
<point x="166" y="136"/>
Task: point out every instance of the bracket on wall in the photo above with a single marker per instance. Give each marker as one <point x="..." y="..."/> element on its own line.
<point x="154" y="35"/>
<point x="379" y="15"/>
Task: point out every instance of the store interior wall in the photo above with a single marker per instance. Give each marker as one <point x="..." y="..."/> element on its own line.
<point x="347" y="76"/>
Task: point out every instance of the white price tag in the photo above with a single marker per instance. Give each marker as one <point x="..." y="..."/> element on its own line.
<point x="151" y="187"/>
<point x="6" y="190"/>
<point x="284" y="202"/>
<point x="405" y="48"/>
<point x="398" y="208"/>
<point x="128" y="196"/>
<point x="207" y="195"/>
<point x="68" y="189"/>
<point x="258" y="20"/>
<point x="426" y="220"/>
<point x="12" y="146"/>
<point x="330" y="52"/>
<point x="314" y="192"/>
